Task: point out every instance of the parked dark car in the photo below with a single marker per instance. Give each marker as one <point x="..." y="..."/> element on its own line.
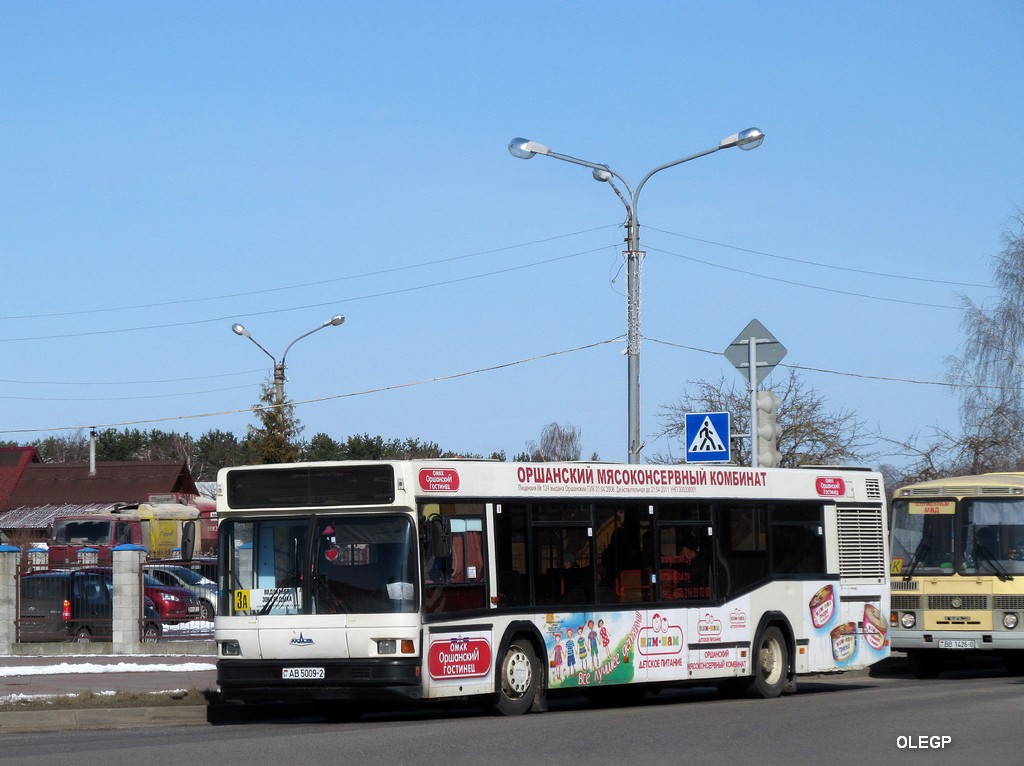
<point x="73" y="605"/>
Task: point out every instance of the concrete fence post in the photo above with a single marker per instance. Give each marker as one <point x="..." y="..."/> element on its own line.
<point x="9" y="557"/>
<point x="127" y="625"/>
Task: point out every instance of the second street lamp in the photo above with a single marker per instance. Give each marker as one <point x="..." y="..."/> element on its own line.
<point x="238" y="329"/>
<point x="524" y="149"/>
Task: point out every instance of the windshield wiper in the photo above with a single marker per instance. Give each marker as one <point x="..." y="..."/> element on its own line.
<point x="916" y="558"/>
<point x="323" y="590"/>
<point x="987" y="556"/>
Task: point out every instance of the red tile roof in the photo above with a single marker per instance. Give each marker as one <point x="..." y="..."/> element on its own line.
<point x="13" y="461"/>
<point x="70" y="483"/>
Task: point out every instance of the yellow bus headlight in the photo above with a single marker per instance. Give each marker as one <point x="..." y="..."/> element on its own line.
<point x="1010" y="620"/>
<point x="908" y="620"/>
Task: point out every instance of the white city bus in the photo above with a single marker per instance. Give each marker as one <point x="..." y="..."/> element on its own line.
<point x="354" y="583"/>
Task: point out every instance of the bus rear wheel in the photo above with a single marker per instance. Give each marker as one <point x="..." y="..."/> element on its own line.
<point x="771" y="665"/>
<point x="520" y="676"/>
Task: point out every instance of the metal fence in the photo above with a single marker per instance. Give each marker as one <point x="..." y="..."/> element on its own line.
<point x="85" y="603"/>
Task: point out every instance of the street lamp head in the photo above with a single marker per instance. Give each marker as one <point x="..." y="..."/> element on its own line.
<point x="751" y="138"/>
<point x="336" y="320"/>
<point x="238" y="329"/>
<point x="602" y="174"/>
<point x="748" y="139"/>
<point x="524" y="149"/>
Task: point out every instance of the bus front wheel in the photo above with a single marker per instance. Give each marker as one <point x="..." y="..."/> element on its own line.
<point x="520" y="676"/>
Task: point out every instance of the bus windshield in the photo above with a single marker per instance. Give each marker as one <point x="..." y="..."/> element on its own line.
<point x="977" y="537"/>
<point x="994" y="537"/>
<point x="923" y="537"/>
<point x="325" y="565"/>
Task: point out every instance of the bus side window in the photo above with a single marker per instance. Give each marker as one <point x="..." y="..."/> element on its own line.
<point x="685" y="566"/>
<point x="797" y="549"/>
<point x="458" y="581"/>
<point x="467" y="560"/>
<point x="510" y="553"/>
<point x="742" y="548"/>
<point x="625" y="553"/>
<point x="797" y="540"/>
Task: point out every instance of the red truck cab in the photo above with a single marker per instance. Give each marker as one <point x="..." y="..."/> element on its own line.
<point x="100" y="531"/>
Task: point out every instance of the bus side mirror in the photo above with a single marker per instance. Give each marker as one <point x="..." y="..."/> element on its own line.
<point x="188" y="540"/>
<point x="440" y="536"/>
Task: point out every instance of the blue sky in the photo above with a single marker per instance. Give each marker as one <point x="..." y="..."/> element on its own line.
<point x="170" y="169"/>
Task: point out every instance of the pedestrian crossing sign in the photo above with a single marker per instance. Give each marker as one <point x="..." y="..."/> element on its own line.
<point x="707" y="437"/>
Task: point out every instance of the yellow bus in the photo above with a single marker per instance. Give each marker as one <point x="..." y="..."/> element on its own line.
<point x="360" y="582"/>
<point x="958" y="570"/>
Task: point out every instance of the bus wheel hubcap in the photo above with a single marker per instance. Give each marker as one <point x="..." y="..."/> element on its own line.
<point x="518" y="673"/>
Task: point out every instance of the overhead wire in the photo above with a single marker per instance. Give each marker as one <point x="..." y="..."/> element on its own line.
<point x="385" y="293"/>
<point x="803" y="284"/>
<point x="331" y="397"/>
<point x="819" y="264"/>
<point x="315" y="283"/>
<point x="826" y="371"/>
<point x="444" y="283"/>
<point x="468" y="373"/>
<point x="127" y="382"/>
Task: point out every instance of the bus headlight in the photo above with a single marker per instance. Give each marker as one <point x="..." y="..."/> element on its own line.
<point x="386" y="646"/>
<point x="908" y="620"/>
<point x="1010" y="620"/>
<point x="230" y="649"/>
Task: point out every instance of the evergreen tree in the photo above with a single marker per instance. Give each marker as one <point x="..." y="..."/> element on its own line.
<point x="276" y="439"/>
<point x="323" y="447"/>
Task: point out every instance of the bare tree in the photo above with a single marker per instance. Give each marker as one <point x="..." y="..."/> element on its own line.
<point x="557" y="442"/>
<point x="810" y="432"/>
<point x="990" y="368"/>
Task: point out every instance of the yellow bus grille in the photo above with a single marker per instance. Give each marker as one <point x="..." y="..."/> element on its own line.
<point x="906" y="603"/>
<point x="958" y="602"/>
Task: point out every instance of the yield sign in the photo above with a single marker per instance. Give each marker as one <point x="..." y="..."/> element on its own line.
<point x="707" y="437"/>
<point x="768" y="352"/>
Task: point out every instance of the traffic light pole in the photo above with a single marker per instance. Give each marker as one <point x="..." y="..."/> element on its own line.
<point x="743" y="354"/>
<point x="752" y="370"/>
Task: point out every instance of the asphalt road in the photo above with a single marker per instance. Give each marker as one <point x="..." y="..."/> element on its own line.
<point x="886" y="716"/>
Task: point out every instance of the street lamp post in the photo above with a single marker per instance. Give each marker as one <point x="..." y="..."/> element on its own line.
<point x="238" y="329"/>
<point x="524" y="149"/>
